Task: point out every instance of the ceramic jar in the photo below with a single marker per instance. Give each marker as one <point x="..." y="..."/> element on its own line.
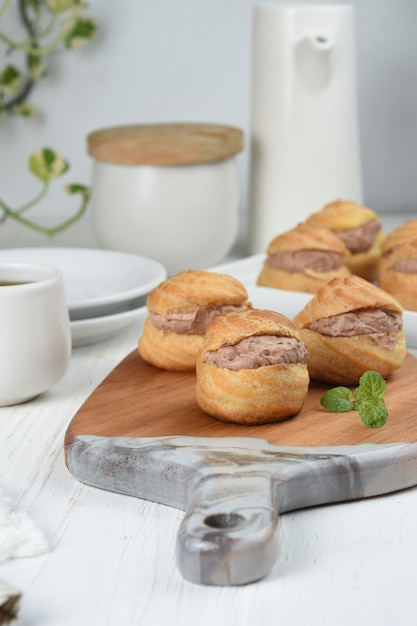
<point x="167" y="191"/>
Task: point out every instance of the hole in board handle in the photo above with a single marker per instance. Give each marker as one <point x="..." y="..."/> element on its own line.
<point x="225" y="520"/>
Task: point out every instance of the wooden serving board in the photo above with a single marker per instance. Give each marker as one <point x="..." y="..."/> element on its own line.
<point x="139" y="400"/>
<point x="142" y="433"/>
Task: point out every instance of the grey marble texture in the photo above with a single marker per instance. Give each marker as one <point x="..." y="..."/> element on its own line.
<point x="234" y="489"/>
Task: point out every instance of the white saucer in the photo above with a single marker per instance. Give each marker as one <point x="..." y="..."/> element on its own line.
<point x="97" y="282"/>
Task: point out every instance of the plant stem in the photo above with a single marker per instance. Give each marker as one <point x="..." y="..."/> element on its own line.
<point x="32" y="202"/>
<point x="5" y="8"/>
<point x="71" y="220"/>
<point x="31" y="46"/>
<point x="16" y="214"/>
<point x="29" y="84"/>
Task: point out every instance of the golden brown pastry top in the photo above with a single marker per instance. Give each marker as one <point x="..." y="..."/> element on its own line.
<point x="233" y="327"/>
<point x="402" y="252"/>
<point x="305" y="237"/>
<point x="187" y="290"/>
<point x="404" y="233"/>
<point x="341" y="215"/>
<point x="344" y="294"/>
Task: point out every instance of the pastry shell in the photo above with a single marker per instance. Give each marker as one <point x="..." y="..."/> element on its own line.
<point x="341" y="215"/>
<point x="250" y="396"/>
<point x="346" y="215"/>
<point x="302" y="237"/>
<point x="187" y="290"/>
<point x="400" y="285"/>
<point x="184" y="293"/>
<point x="401" y="236"/>
<point x="343" y="360"/>
<point x="406" y="232"/>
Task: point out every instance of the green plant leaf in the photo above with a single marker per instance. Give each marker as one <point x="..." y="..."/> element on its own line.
<point x="46" y="164"/>
<point x="74" y="188"/>
<point x="372" y="384"/>
<point x="337" y="399"/>
<point x="36" y="6"/>
<point x="25" y="109"/>
<point x="10" y="79"/>
<point x="49" y="25"/>
<point x="61" y="6"/>
<point x="37" y="68"/>
<point x="82" y="30"/>
<point x="358" y="393"/>
<point x="367" y="399"/>
<point x="373" y="413"/>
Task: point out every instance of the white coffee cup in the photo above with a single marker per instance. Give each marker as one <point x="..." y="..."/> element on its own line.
<point x="35" y="334"/>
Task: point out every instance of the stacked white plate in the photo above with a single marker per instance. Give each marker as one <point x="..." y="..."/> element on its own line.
<point x="105" y="290"/>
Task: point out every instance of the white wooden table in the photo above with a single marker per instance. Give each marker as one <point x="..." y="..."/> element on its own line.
<point x="112" y="558"/>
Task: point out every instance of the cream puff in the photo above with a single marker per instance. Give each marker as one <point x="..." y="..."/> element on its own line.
<point x="179" y="311"/>
<point x="360" y="230"/>
<point x="252" y="368"/>
<point x="351" y="326"/>
<point x="404" y="234"/>
<point x="398" y="274"/>
<point x="303" y="259"/>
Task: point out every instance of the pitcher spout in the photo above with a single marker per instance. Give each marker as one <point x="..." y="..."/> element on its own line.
<point x="313" y="56"/>
<point x="320" y="43"/>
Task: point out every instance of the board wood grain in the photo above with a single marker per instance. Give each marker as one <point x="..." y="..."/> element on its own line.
<point x="139" y="400"/>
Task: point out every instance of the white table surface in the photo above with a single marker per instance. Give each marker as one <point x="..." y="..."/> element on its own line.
<point x="111" y="560"/>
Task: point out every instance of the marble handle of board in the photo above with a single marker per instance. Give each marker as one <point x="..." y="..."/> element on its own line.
<point x="234" y="489"/>
<point x="228" y="533"/>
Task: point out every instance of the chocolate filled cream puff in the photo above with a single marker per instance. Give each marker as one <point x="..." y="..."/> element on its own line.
<point x="252" y="368"/>
<point x="398" y="274"/>
<point x="404" y="234"/>
<point x="360" y="230"/>
<point x="351" y="326"/>
<point x="179" y="311"/>
<point x="303" y="259"/>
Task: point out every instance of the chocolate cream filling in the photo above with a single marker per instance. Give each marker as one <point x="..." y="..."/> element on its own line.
<point x="193" y="322"/>
<point x="298" y="261"/>
<point x="360" y="239"/>
<point x="406" y="266"/>
<point x="382" y="325"/>
<point x="258" y="351"/>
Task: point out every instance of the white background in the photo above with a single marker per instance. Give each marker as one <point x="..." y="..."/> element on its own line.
<point x="190" y="60"/>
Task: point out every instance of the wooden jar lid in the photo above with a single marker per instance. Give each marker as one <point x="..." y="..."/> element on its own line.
<point x="165" y="144"/>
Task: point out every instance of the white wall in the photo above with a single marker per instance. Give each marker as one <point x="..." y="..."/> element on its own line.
<point x="189" y="60"/>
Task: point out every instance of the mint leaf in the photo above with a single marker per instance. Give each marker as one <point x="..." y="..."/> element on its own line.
<point x="372" y="384"/>
<point x="373" y="413"/>
<point x="367" y="399"/>
<point x="337" y="399"/>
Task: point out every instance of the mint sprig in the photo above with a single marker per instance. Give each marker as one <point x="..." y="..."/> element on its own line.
<point x="367" y="399"/>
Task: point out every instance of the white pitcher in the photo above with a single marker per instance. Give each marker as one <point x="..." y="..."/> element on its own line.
<point x="304" y="148"/>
